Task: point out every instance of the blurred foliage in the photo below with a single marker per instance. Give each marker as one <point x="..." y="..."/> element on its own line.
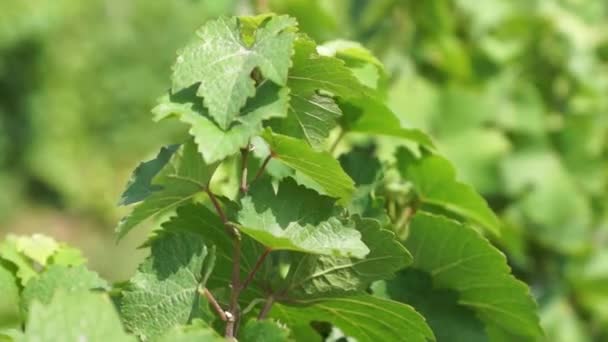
<point x="513" y="91"/>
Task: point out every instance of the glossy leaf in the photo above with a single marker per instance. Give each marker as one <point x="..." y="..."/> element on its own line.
<point x="364" y="317"/>
<point x="320" y="167"/>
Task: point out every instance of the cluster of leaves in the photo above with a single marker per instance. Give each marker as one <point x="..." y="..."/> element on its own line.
<point x="265" y="235"/>
<point x="514" y="94"/>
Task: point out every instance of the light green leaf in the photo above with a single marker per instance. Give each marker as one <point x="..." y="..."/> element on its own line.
<point x="67" y="279"/>
<point x="320" y="167"/>
<point x="297" y="219"/>
<point x="163" y="291"/>
<point x="263" y="331"/>
<point x="311" y="275"/>
<point x="310" y="117"/>
<point x="198" y="331"/>
<point x="24" y="266"/>
<point x="10" y="317"/>
<point x="140" y="185"/>
<point x="37" y="247"/>
<point x="312" y="72"/>
<point x="364" y="317"/>
<point x="223" y="63"/>
<point x="78" y="316"/>
<point x="213" y="142"/>
<point x="460" y="259"/>
<point x="67" y="256"/>
<point x="181" y="180"/>
<point x="373" y="117"/>
<point x="434" y="180"/>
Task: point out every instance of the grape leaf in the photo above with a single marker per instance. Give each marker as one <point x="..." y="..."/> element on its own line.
<point x="10" y="317"/>
<point x="140" y="185"/>
<point x="77" y="316"/>
<point x="195" y="332"/>
<point x="198" y="219"/>
<point x="364" y="317"/>
<point x="263" y="331"/>
<point x="37" y="247"/>
<point x="367" y="115"/>
<point x="181" y="180"/>
<point x="297" y="219"/>
<point x="67" y="279"/>
<point x="460" y="259"/>
<point x="320" y="167"/>
<point x="215" y="143"/>
<point x="311" y="275"/>
<point x="448" y="320"/>
<point x="24" y="266"/>
<point x="223" y="63"/>
<point x="434" y="180"/>
<point x="163" y="291"/>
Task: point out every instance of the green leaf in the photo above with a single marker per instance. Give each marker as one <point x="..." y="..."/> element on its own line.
<point x="305" y="225"/>
<point x="215" y="143"/>
<point x="198" y="219"/>
<point x="67" y="279"/>
<point x="67" y="256"/>
<point x="434" y="180"/>
<point x="78" y="316"/>
<point x="24" y="266"/>
<point x="320" y="167"/>
<point x="364" y="317"/>
<point x="196" y="332"/>
<point x="312" y="72"/>
<point x="311" y="275"/>
<point x="37" y="247"/>
<point x="140" y="185"/>
<point x="263" y="331"/>
<point x="460" y="259"/>
<point x="448" y="320"/>
<point x="310" y="117"/>
<point x="10" y="317"/>
<point x="367" y="115"/>
<point x="181" y="180"/>
<point x="163" y="291"/>
<point x="223" y="63"/>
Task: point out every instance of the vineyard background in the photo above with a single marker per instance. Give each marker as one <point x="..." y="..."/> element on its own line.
<point x="515" y="92"/>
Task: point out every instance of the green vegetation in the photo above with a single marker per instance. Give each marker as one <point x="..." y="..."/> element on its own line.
<point x="346" y="147"/>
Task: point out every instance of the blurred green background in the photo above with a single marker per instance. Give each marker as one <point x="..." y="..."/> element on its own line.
<point x="514" y="91"/>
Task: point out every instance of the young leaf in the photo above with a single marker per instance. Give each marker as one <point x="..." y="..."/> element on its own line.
<point x="197" y="331"/>
<point x="140" y="185"/>
<point x="460" y="259"/>
<point x="10" y="317"/>
<point x="186" y="176"/>
<point x="314" y="276"/>
<point x="312" y="115"/>
<point x="67" y="279"/>
<point x="78" y="316"/>
<point x="213" y="142"/>
<point x="263" y="331"/>
<point x="163" y="291"/>
<point x="434" y="179"/>
<point x="223" y="63"/>
<point x="364" y="317"/>
<point x="10" y="253"/>
<point x="305" y="225"/>
<point x="320" y="167"/>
